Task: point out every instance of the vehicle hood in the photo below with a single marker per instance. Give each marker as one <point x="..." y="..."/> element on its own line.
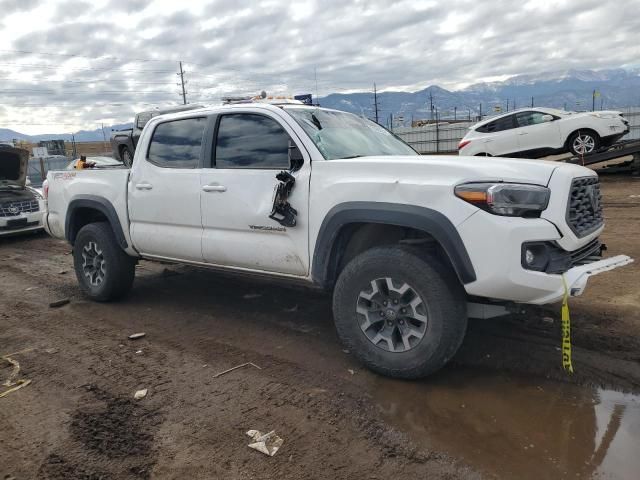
<point x="13" y="166"/>
<point x="460" y="169"/>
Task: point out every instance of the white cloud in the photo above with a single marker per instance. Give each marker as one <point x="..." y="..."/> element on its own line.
<point x="130" y="48"/>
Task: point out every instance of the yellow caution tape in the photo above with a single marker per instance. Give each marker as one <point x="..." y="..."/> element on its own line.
<point x="566" y="330"/>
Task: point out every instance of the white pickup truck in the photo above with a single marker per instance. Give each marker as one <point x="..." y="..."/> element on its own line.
<point x="410" y="245"/>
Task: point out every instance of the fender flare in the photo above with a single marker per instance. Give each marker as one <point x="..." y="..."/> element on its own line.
<point x="100" y="204"/>
<point x="424" y="219"/>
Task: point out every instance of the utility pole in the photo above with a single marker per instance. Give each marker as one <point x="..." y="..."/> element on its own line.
<point x="480" y="112"/>
<point x="431" y="103"/>
<point x="104" y="138"/>
<point x="375" y="100"/>
<point x="514" y="104"/>
<point x="507" y="104"/>
<point x="315" y="75"/>
<point x="531" y="102"/>
<point x="455" y="113"/>
<point x="184" y="93"/>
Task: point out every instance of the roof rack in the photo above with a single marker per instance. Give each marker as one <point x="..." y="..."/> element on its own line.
<point x="262" y="98"/>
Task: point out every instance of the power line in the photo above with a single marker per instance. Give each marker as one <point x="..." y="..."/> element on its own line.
<point x="86" y="82"/>
<point x="72" y="55"/>
<point x="36" y="65"/>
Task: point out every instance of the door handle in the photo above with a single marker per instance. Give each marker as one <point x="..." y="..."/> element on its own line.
<point x="523" y="133"/>
<point x="214" y="188"/>
<point x="144" y="186"/>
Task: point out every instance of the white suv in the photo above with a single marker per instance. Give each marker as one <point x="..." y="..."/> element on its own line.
<point x="410" y="246"/>
<point x="537" y="132"/>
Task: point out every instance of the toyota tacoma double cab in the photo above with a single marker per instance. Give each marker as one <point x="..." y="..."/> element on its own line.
<point x="410" y="246"/>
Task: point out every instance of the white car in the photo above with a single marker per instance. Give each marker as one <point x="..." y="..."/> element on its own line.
<point x="410" y="245"/>
<point x="538" y="132"/>
<point x="21" y="206"/>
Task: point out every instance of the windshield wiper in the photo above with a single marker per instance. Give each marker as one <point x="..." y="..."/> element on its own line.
<point x="352" y="156"/>
<point x="316" y="122"/>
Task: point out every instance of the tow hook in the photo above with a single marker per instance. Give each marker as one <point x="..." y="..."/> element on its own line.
<point x="282" y="211"/>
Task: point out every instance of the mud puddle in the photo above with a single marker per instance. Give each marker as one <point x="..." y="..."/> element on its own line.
<point x="511" y="427"/>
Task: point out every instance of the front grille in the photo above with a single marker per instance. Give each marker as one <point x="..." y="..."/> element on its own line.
<point x="584" y="212"/>
<point x="12" y="209"/>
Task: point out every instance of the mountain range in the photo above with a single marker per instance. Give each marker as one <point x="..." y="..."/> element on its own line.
<point x="570" y="89"/>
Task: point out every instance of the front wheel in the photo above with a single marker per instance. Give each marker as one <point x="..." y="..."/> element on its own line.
<point x="584" y="142"/>
<point x="401" y="312"/>
<point x="104" y="271"/>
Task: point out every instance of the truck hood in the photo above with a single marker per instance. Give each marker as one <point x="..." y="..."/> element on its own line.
<point x="466" y="169"/>
<point x="13" y="167"/>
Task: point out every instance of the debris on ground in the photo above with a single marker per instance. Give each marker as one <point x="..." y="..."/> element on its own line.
<point x="140" y="394"/>
<point x="17" y="384"/>
<point x="548" y="320"/>
<point x="136" y="336"/>
<point x="249" y="296"/>
<point x="59" y="303"/>
<point x="51" y="350"/>
<point x="291" y="310"/>
<point x="235" y="368"/>
<point x="351" y="371"/>
<point x="267" y="443"/>
<point x="138" y="352"/>
<point x="14" y="372"/>
<point x="62" y="272"/>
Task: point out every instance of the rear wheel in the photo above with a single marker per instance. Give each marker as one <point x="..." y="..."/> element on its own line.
<point x="402" y="313"/>
<point x="583" y="142"/>
<point x="104" y="271"/>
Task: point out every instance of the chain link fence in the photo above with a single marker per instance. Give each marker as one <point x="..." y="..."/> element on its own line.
<point x="443" y="137"/>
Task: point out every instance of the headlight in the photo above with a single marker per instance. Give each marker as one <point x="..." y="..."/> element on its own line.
<point x="509" y="199"/>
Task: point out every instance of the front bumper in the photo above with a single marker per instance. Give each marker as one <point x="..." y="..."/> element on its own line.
<point x="494" y="245"/>
<point x="577" y="277"/>
<point x="22" y="223"/>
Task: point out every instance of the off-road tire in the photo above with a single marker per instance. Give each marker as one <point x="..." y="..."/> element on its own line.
<point x="119" y="268"/>
<point x="436" y="284"/>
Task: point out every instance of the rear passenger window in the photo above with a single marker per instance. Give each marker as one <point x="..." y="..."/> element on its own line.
<point x="177" y="144"/>
<point x="251" y="141"/>
<point x="505" y="123"/>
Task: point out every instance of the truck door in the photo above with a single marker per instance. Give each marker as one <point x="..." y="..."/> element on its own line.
<point x="249" y="150"/>
<point x="164" y="191"/>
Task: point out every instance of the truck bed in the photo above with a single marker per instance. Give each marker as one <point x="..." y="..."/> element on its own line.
<point x="106" y="183"/>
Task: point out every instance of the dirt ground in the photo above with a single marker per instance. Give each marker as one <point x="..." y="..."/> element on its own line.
<point x="77" y="419"/>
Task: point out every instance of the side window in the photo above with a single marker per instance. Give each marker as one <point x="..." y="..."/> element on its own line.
<point x="504" y="123"/>
<point x="529" y="118"/>
<point x="251" y="141"/>
<point x="177" y="144"/>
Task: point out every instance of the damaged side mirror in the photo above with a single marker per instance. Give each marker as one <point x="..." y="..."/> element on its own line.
<point x="295" y="156"/>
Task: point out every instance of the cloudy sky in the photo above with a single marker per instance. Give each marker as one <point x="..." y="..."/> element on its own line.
<point x="73" y="64"/>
